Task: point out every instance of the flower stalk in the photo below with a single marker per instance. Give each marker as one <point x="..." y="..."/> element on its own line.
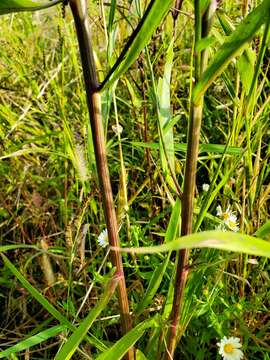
<point x="79" y="11"/>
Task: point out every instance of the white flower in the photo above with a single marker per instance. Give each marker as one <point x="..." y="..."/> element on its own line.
<point x="229" y="218"/>
<point x="232" y="223"/>
<point x="205" y="187"/>
<point x="117" y="129"/>
<point x="103" y="238"/>
<point x="229" y="348"/>
<point x="227" y="214"/>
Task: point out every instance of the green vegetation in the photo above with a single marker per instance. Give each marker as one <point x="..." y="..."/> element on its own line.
<point x="167" y="253"/>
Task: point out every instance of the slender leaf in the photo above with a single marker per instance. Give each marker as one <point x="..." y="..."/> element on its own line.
<point x="164" y="116"/>
<point x="264" y="231"/>
<point x="232" y="47"/>
<point x="75" y="339"/>
<point x="140" y="355"/>
<point x="45" y="303"/>
<point x="10" y="6"/>
<point x="34" y="292"/>
<point x="33" y="340"/>
<point x="173" y="227"/>
<point x="4" y="248"/>
<point x="246" y="61"/>
<point x="157" y="276"/>
<point x="153" y="286"/>
<point x="245" y="66"/>
<point x="221" y="240"/>
<point x="215" y="148"/>
<point x="152" y="18"/>
<point x="111" y="15"/>
<point x="119" y="349"/>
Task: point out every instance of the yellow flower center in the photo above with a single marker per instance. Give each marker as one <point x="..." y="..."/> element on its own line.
<point x="228" y="348"/>
<point x="231" y="223"/>
<point x="226" y="216"/>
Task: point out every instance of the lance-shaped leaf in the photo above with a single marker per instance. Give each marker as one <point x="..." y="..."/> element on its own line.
<point x="232" y="47"/>
<point x="151" y="19"/>
<point x="10" y="6"/>
<point x="221" y="240"/>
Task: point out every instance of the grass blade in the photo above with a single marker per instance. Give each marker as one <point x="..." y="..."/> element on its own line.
<point x="44" y="302"/>
<point x="227" y="241"/>
<point x="166" y="139"/>
<point x="118" y="350"/>
<point x="158" y="273"/>
<point x="10" y="6"/>
<point x="211" y="148"/>
<point x="152" y="18"/>
<point x="264" y="230"/>
<point x="232" y="47"/>
<point x="4" y="248"/>
<point x="75" y="339"/>
<point x="34" y="292"/>
<point x="33" y="340"/>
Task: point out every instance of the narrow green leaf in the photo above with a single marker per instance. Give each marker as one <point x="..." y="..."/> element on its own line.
<point x="173" y="228"/>
<point x="164" y="116"/>
<point x="111" y="15"/>
<point x="10" y="6"/>
<point x="232" y="47"/>
<point x="41" y="299"/>
<point x="152" y="18"/>
<point x="140" y="355"/>
<point x="171" y="233"/>
<point x="153" y="286"/>
<point x="246" y="61"/>
<point x="264" y="231"/>
<point x="225" y="22"/>
<point x="76" y="338"/>
<point x="245" y="66"/>
<point x="205" y="43"/>
<point x="33" y="340"/>
<point x="4" y="248"/>
<point x="45" y="303"/>
<point x="119" y="349"/>
<point x="221" y="240"/>
<point x="215" y="148"/>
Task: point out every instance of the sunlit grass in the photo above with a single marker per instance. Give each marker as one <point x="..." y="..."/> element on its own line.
<point x="50" y="198"/>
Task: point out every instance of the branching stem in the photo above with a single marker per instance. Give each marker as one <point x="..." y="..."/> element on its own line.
<point x="79" y="11"/>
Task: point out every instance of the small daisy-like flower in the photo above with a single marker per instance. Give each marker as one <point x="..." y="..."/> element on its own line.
<point x="229" y="348"/>
<point x="232" y="223"/>
<point x="103" y="239"/>
<point x="227" y="214"/>
<point x="205" y="187"/>
<point x="117" y="129"/>
<point x="229" y="218"/>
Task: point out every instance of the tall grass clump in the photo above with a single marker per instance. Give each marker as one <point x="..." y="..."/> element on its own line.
<point x="134" y="202"/>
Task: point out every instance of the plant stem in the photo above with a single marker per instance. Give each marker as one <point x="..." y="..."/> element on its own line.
<point x="186" y="228"/>
<point x="195" y="119"/>
<point x="79" y="11"/>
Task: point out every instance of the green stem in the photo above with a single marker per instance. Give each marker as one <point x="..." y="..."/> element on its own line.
<point x="79" y="11"/>
<point x="186" y="228"/>
<point x="195" y="119"/>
